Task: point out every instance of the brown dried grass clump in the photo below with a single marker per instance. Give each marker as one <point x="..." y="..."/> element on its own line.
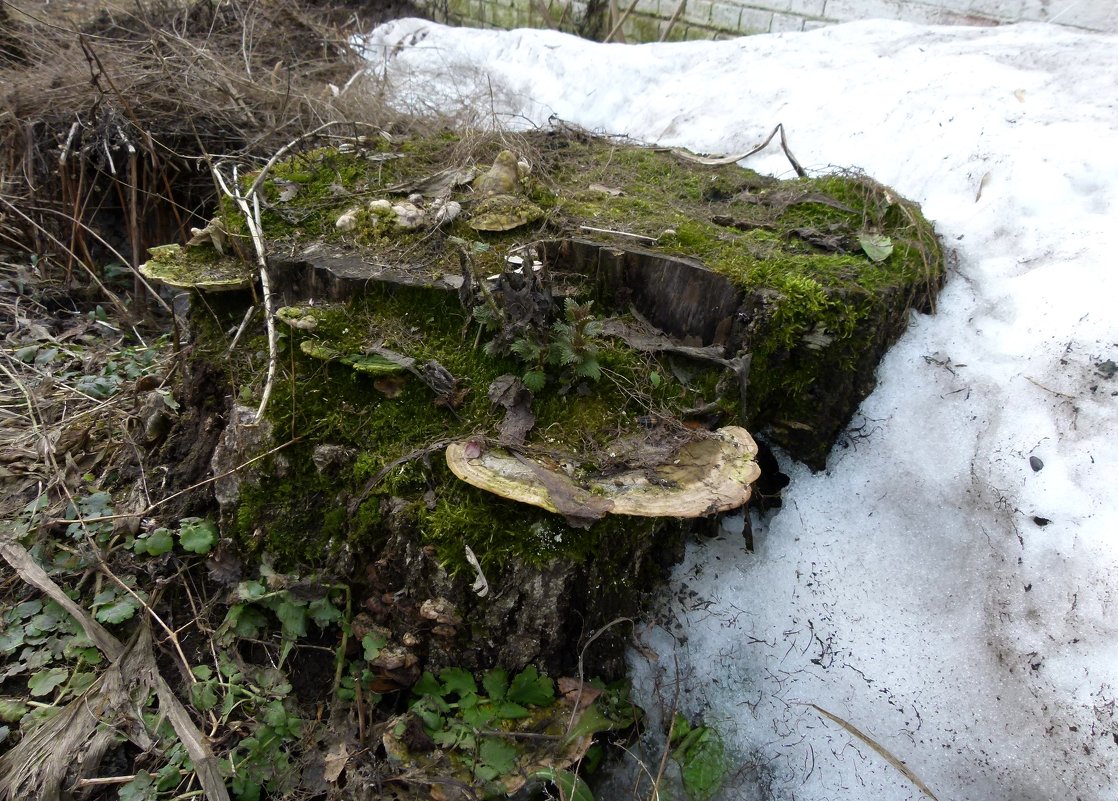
<point x="107" y="129"/>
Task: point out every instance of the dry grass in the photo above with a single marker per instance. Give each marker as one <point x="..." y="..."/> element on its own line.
<point x="107" y="128"/>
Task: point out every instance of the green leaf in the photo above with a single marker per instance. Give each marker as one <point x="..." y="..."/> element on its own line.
<point x="48" y="620"/>
<point x="10" y="640"/>
<point x="535" y="380"/>
<point x="203" y="696"/>
<point x="27" y="353"/>
<point x="372" y="643"/>
<point x="457" y="680"/>
<point x="245" y="621"/>
<point x="432" y="720"/>
<point x="427" y="685"/>
<point x="702" y="763"/>
<point x="480" y="716"/>
<point x="141" y="788"/>
<point x="570" y="786"/>
<point x="45" y="681"/>
<point x="455" y="736"/>
<point x="876" y="246"/>
<point x="246" y="788"/>
<point x="275" y="715"/>
<point x="197" y="535"/>
<point x="156" y="543"/>
<point x="118" y="611"/>
<point x="594" y="720"/>
<point x="529" y="687"/>
<point x="496" y="683"/>
<point x="525" y="350"/>
<point x="507" y="710"/>
<point x="25" y="610"/>
<point x="274" y="682"/>
<point x="12" y="709"/>
<point x="323" y="613"/>
<point x="498" y="755"/>
<point x="293" y="618"/>
<point x="80" y="682"/>
<point x="590" y="368"/>
<point x="680" y="729"/>
<point x="654" y="379"/>
<point x="251" y="590"/>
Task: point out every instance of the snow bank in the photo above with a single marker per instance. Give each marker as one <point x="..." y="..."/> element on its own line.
<point x="930" y="587"/>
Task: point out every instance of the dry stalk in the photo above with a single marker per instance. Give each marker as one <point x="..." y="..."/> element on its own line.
<point x="724" y="160"/>
<point x="885" y="753"/>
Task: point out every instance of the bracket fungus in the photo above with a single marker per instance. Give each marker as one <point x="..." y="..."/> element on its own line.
<point x="706" y="476"/>
<point x="197" y="268"/>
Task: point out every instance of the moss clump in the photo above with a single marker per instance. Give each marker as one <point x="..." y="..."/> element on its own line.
<point x="300" y="512"/>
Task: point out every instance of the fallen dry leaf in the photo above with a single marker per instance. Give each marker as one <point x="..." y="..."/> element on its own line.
<point x="336" y="759"/>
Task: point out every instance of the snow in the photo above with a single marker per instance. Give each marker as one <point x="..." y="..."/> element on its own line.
<point x="909" y="588"/>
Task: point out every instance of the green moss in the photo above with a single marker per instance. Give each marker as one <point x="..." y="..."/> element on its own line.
<point x="815" y="318"/>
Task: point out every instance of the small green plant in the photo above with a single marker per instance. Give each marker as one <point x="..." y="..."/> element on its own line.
<point x="253" y="697"/>
<point x="566" y="350"/>
<point x="488" y="736"/>
<point x="701" y="756"/>
<point x="195" y="535"/>
<point x="574" y="344"/>
<point x="40" y="641"/>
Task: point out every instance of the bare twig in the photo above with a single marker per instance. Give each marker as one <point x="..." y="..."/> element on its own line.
<point x="641" y="237"/>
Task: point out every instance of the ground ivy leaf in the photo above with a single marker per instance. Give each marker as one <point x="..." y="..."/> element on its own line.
<point x="156" y="543"/>
<point x="323" y="613"/>
<point x="118" y="611"/>
<point x="26" y="609"/>
<point x="293" y="618"/>
<point x="498" y="754"/>
<point x="81" y="682"/>
<point x="457" y="680"/>
<point x="275" y="715"/>
<point x="197" y="535"/>
<point x="373" y="643"/>
<point x="141" y="788"/>
<point x="507" y="710"/>
<point x="203" y="696"/>
<point x="246" y="621"/>
<point x="45" y="681"/>
<point x="427" y="685"/>
<point x="12" y="709"/>
<point x="48" y="620"/>
<point x="11" y="640"/>
<point x="529" y="687"/>
<point x="251" y="590"/>
<point x="480" y="716"/>
<point x="496" y="684"/>
<point x="876" y="246"/>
